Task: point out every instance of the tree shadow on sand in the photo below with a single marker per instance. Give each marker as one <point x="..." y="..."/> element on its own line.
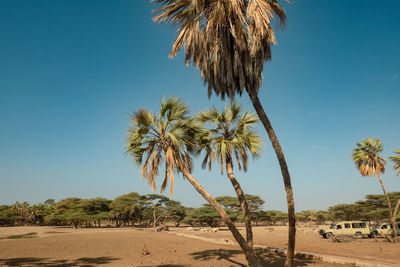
<point x="30" y="261"/>
<point x="267" y="258"/>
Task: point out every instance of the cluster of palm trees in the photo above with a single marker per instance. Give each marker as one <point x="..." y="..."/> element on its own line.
<point x="229" y="42"/>
<point x="367" y="158"/>
<point x="172" y="137"/>
<point x="32" y="213"/>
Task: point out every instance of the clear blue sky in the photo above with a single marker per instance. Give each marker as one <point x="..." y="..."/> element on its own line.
<point x="72" y="71"/>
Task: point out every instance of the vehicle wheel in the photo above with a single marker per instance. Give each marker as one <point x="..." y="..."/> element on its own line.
<point x="329" y="235"/>
<point x="359" y="235"/>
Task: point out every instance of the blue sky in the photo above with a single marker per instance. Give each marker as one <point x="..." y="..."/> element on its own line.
<point x="72" y="71"/>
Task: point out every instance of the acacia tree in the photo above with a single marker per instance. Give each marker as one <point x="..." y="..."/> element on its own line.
<point x="229" y="41"/>
<point x="126" y="208"/>
<point x="167" y="138"/>
<point x="97" y="209"/>
<point x="229" y="136"/>
<point x="158" y="205"/>
<point x="369" y="162"/>
<point x="174" y="212"/>
<point x="70" y="210"/>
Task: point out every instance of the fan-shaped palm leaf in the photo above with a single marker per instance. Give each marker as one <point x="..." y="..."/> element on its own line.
<point x="154" y="139"/>
<point x="230" y="135"/>
<point x="396" y="161"/>
<point x="369" y="162"/>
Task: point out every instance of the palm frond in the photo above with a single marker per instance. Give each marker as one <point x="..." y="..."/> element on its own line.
<point x="230" y="136"/>
<point x="165" y="137"/>
<point x="367" y="159"/>
<point x="396" y="161"/>
<point x="229" y="41"/>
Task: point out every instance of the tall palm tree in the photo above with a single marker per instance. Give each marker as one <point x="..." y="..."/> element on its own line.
<point x="369" y="162"/>
<point x="230" y="136"/>
<point x="229" y="41"/>
<point x="168" y="137"/>
<point x="396" y="161"/>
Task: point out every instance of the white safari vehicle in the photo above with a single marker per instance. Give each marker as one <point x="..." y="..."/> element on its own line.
<point x="355" y="228"/>
<point x="386" y="228"/>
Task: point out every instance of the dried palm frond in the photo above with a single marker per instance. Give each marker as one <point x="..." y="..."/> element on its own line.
<point x="228" y="40"/>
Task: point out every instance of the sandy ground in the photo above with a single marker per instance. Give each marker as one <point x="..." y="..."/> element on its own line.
<point x="56" y="246"/>
<point x="308" y="240"/>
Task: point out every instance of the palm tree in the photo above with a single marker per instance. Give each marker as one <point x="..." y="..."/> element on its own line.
<point x="396" y="161"/>
<point x="24" y="210"/>
<point x="168" y="137"/>
<point x="368" y="162"/>
<point x="230" y="136"/>
<point x="229" y="41"/>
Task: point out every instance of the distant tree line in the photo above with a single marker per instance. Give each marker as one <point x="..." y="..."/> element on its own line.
<point x="152" y="210"/>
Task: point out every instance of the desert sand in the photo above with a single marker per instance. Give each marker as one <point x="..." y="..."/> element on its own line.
<point x="63" y="246"/>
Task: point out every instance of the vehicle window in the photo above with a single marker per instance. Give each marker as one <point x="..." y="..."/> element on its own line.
<point x="363" y="225"/>
<point x="384" y="227"/>
<point x="355" y="225"/>
<point x="346" y="225"/>
<point x="338" y="226"/>
<point x="332" y="226"/>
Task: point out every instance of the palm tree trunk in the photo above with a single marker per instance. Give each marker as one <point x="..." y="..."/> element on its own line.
<point x="248" y="251"/>
<point x="386" y="195"/>
<point x="285" y="173"/>
<point x="396" y="209"/>
<point x="242" y="200"/>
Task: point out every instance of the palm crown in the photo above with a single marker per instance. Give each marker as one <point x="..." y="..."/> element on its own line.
<point x="396" y="161"/>
<point x="230" y="135"/>
<point x="164" y="137"/>
<point x="228" y="40"/>
<point x="367" y="159"/>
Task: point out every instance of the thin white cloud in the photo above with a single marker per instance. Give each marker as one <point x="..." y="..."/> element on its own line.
<point x="312" y="114"/>
<point x="392" y="76"/>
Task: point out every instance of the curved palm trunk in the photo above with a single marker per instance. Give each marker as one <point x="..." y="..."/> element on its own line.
<point x="243" y="203"/>
<point x="396" y="209"/>
<point x="248" y="251"/>
<point x="386" y="195"/>
<point x="285" y="173"/>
